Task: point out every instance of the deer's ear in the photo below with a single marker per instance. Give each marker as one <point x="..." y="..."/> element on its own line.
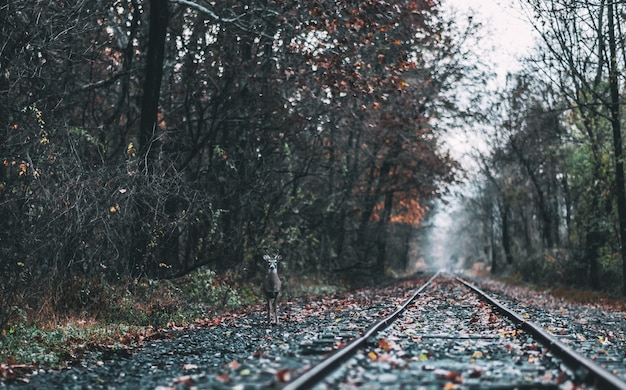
<point x="266" y="257"/>
<point x="279" y="257"/>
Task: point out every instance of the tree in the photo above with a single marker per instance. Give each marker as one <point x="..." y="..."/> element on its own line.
<point x="147" y="139"/>
<point x="576" y="35"/>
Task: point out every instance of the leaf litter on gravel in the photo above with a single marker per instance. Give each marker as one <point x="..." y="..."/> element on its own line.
<point x="234" y="348"/>
<point x="448" y="343"/>
<point x="596" y="329"/>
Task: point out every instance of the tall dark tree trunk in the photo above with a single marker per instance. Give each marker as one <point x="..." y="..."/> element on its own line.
<point x="159" y="17"/>
<point x="620" y="191"/>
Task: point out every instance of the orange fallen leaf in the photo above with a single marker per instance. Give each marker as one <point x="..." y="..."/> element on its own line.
<point x="454" y="376"/>
<point x="283" y="375"/>
<point x="384" y="344"/>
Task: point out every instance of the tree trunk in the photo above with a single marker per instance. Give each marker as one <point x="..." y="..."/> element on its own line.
<point x="506" y="236"/>
<point x="593" y="243"/>
<point x="159" y="16"/>
<point x="620" y="193"/>
<point x="383" y="235"/>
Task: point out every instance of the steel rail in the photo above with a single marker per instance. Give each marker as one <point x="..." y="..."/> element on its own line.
<point x="335" y="359"/>
<point x="604" y="378"/>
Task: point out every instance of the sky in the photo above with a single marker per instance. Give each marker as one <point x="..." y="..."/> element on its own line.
<point x="508" y="37"/>
<point x="507" y="29"/>
<point x="511" y="37"/>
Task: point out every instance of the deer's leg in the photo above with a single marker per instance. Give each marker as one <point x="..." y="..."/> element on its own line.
<point x="276" y="309"/>
<point x="269" y="310"/>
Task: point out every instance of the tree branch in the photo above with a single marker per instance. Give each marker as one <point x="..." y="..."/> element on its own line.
<point x="102" y="83"/>
<point x="204" y="10"/>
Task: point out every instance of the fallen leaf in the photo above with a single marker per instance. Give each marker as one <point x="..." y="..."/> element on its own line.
<point x="562" y="377"/>
<point x="454" y="376"/>
<point x="475" y="374"/>
<point x="384" y="344"/>
<point x="189" y="366"/>
<point x="283" y="375"/>
<point x="184" y="380"/>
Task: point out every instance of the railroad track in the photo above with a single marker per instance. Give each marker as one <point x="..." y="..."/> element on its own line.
<point x="485" y="345"/>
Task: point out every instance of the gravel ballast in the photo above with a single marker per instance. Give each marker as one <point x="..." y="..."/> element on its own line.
<point x="240" y="350"/>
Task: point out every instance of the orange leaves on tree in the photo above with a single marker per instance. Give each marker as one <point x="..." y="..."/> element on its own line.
<point x="406" y="211"/>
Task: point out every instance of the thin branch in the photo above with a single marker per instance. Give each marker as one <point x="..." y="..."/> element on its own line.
<point x="102" y="83"/>
<point x="204" y="10"/>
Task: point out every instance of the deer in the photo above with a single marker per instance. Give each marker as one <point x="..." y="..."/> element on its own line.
<point x="271" y="287"/>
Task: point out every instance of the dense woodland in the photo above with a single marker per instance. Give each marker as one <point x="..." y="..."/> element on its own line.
<point x="146" y="139"/>
<point x="550" y="200"/>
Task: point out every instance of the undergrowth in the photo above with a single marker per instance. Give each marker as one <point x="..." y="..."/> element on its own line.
<point x="114" y="317"/>
<point x="576" y="295"/>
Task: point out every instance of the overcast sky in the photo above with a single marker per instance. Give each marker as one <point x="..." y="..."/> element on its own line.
<point x="507" y="29"/>
<point x="508" y="37"/>
<point x="511" y="37"/>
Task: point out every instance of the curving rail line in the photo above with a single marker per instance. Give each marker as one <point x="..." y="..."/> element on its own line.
<point x="600" y="377"/>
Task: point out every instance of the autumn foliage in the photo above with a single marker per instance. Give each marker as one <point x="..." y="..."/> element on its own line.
<point x="304" y="128"/>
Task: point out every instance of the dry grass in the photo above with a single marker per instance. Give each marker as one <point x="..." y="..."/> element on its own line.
<point x="589" y="297"/>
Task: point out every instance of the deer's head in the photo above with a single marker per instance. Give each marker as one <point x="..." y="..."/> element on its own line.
<point x="272" y="261"/>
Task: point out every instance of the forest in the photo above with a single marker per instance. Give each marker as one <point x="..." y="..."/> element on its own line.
<point x="549" y="200"/>
<point x="146" y="140"/>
